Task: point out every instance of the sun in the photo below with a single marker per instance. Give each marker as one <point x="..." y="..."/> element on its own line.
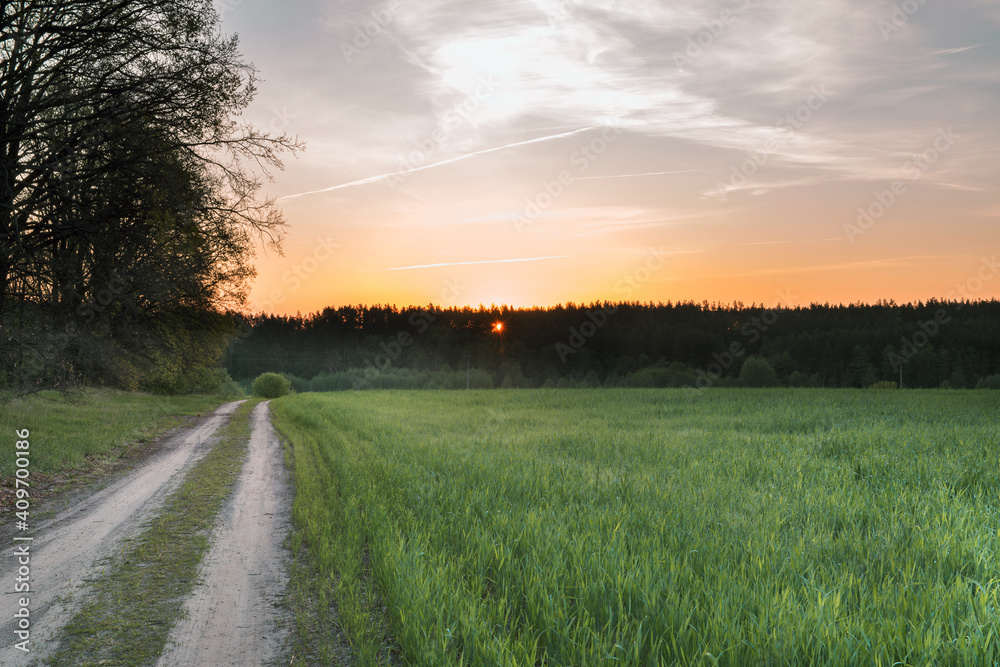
<point x="498" y="327"/>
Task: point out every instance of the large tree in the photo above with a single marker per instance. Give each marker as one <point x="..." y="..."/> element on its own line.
<point x="129" y="192"/>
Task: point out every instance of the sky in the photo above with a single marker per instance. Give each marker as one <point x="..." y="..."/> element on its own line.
<point x="536" y="152"/>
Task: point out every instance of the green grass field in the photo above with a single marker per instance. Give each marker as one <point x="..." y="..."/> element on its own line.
<point x="599" y="527"/>
<point x="66" y="430"/>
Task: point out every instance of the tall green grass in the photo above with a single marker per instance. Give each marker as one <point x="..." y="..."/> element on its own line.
<point x="657" y="527"/>
<point x="66" y="429"/>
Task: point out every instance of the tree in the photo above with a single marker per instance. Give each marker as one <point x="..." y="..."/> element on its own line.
<point x="860" y="373"/>
<point x="757" y="372"/>
<point x="798" y="379"/>
<point x="127" y="210"/>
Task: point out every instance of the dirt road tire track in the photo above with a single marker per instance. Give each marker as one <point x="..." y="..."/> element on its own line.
<point x="232" y="616"/>
<point x="69" y="549"/>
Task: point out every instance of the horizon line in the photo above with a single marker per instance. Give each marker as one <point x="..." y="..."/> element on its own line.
<point x="712" y="305"/>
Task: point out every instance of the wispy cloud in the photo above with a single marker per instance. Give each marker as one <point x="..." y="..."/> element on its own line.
<point x="648" y="173"/>
<point x="889" y="262"/>
<point x="487" y="261"/>
<point x="945" y="52"/>
<point x="836" y="238"/>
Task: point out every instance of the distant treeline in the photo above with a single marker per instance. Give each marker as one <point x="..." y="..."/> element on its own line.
<point x="931" y="344"/>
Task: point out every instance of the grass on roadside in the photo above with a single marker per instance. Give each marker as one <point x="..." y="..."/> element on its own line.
<point x="339" y="618"/>
<point x="317" y="637"/>
<point x="75" y="431"/>
<point x="116" y="626"/>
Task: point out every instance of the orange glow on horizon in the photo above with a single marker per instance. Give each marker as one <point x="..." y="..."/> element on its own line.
<point x="532" y="164"/>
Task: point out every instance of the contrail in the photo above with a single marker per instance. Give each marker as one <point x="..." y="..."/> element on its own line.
<point x="488" y="261"/>
<point x="648" y="173"/>
<point x="836" y="238"/>
<point x="372" y="179"/>
<point x="947" y="52"/>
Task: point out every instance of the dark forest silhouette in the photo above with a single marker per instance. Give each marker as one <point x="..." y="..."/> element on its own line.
<point x="937" y="344"/>
<point x="130" y="192"/>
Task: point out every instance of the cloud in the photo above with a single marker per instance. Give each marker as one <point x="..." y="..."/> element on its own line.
<point x="565" y="64"/>
<point x="579" y="63"/>
<point x="487" y="261"/>
<point x="648" y="173"/>
<point x="836" y="238"/>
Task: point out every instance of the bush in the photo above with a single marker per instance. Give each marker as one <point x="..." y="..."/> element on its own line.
<point x="989" y="382"/>
<point x="228" y="387"/>
<point x="884" y="384"/>
<point x="340" y="381"/>
<point x="231" y="389"/>
<point x="271" y="385"/>
<point x="798" y="379"/>
<point x="299" y="385"/>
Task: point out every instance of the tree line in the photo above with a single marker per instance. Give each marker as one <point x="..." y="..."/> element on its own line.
<point x="128" y="212"/>
<point x="928" y="344"/>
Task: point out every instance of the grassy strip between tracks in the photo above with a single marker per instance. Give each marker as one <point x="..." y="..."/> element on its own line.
<point x="130" y="610"/>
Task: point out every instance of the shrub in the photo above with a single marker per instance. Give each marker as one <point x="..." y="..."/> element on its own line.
<point x="299" y="385"/>
<point x="231" y="389"/>
<point x="798" y="379"/>
<point x="884" y="384"/>
<point x="989" y="382"/>
<point x="271" y="385"/>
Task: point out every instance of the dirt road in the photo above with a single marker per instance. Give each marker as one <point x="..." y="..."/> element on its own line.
<point x="231" y="617"/>
<point x="70" y="548"/>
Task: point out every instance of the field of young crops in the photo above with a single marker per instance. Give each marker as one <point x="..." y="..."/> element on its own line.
<point x="654" y="527"/>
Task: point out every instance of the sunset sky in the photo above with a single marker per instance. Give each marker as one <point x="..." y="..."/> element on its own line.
<point x="534" y="152"/>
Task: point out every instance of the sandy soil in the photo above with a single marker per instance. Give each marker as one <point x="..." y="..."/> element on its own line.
<point x="233" y="616"/>
<point x="70" y="548"/>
